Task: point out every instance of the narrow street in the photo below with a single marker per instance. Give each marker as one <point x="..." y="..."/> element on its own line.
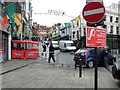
<point x="61" y="75"/>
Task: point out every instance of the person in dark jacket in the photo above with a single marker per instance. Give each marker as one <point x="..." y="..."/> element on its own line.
<point x="105" y="58"/>
<point x="51" y="52"/>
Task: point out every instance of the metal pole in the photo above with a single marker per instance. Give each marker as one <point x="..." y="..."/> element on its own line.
<point x="96" y="70"/>
<point x="80" y="29"/>
<point x="80" y="68"/>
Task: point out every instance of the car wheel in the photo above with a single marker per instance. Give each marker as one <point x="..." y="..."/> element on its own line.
<point x="112" y="62"/>
<point x="114" y="70"/>
<point x="61" y="50"/>
<point x="90" y="64"/>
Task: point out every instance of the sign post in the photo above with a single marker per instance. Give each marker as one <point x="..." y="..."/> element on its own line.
<point x="93" y="13"/>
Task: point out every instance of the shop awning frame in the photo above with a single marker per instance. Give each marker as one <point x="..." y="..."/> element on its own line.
<point x="25" y="42"/>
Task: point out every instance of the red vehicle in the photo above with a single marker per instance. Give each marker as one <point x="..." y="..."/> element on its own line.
<point x="24" y="49"/>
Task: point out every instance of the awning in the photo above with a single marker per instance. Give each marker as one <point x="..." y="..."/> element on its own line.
<point x="25" y="42"/>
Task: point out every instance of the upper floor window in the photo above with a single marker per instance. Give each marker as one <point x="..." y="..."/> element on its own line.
<point x="116" y="20"/>
<point x="111" y="29"/>
<point x="84" y="31"/>
<point x="105" y="18"/>
<point x="117" y="30"/>
<point x="111" y="18"/>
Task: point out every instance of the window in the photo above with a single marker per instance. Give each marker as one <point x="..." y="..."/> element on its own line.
<point x="64" y="45"/>
<point x="111" y="18"/>
<point x="84" y="31"/>
<point x="105" y="18"/>
<point x="111" y="29"/>
<point x="116" y="20"/>
<point x="73" y="34"/>
<point x="117" y="30"/>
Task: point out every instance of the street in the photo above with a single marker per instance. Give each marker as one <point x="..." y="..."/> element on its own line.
<point x="61" y="75"/>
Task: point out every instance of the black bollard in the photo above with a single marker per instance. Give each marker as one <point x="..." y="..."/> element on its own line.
<point x="80" y="67"/>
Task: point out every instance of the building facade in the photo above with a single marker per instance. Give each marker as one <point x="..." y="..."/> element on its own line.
<point x="9" y="33"/>
<point x="111" y="24"/>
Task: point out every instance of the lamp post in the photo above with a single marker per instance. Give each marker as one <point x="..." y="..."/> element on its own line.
<point x="79" y="32"/>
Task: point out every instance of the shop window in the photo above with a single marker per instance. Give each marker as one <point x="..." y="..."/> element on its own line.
<point x="1" y="40"/>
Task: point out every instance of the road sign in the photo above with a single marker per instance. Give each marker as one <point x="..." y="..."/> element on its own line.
<point x="95" y="37"/>
<point x="87" y="1"/>
<point x="93" y="12"/>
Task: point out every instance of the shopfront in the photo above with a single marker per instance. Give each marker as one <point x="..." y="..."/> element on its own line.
<point x="1" y="47"/>
<point x="4" y="33"/>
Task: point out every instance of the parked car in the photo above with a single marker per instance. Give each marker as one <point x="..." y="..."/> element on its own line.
<point x="67" y="45"/>
<point x="88" y="57"/>
<point x="116" y="70"/>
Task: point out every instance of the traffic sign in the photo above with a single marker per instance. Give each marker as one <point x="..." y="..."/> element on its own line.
<point x="93" y="12"/>
<point x="87" y="1"/>
<point x="95" y="37"/>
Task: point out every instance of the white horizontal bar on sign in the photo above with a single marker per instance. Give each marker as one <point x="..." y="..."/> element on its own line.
<point x="95" y="11"/>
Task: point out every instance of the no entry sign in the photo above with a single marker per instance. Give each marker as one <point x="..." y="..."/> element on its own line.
<point x="93" y="12"/>
<point x="95" y="37"/>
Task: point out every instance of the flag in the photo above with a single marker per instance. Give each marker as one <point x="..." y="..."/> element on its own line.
<point x="5" y="20"/>
<point x="19" y="30"/>
<point x="17" y="20"/>
<point x="10" y="10"/>
<point x="51" y="29"/>
<point x="77" y="21"/>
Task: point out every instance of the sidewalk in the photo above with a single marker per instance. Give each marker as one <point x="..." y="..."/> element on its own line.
<point x="14" y="64"/>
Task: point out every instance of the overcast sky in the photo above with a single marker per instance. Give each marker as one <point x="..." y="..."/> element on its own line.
<point x="70" y="7"/>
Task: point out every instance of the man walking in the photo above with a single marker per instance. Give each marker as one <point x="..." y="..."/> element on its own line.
<point x="51" y="52"/>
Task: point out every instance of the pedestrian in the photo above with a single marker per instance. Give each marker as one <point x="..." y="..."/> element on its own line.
<point x="44" y="49"/>
<point x="105" y="58"/>
<point x="51" y="52"/>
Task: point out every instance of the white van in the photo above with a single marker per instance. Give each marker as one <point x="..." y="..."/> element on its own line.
<point x="67" y="46"/>
<point x="55" y="44"/>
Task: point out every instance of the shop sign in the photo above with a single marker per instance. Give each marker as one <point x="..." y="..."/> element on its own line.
<point x="18" y="54"/>
<point x="1" y="52"/>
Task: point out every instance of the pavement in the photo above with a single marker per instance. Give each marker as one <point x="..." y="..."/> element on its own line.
<point x="40" y="74"/>
<point x="14" y="64"/>
<point x="64" y="77"/>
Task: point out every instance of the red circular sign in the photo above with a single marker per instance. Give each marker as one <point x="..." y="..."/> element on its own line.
<point x="93" y="12"/>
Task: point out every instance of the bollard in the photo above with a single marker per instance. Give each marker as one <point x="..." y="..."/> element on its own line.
<point x="80" y="67"/>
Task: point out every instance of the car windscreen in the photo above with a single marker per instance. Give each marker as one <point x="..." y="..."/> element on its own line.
<point x="70" y="44"/>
